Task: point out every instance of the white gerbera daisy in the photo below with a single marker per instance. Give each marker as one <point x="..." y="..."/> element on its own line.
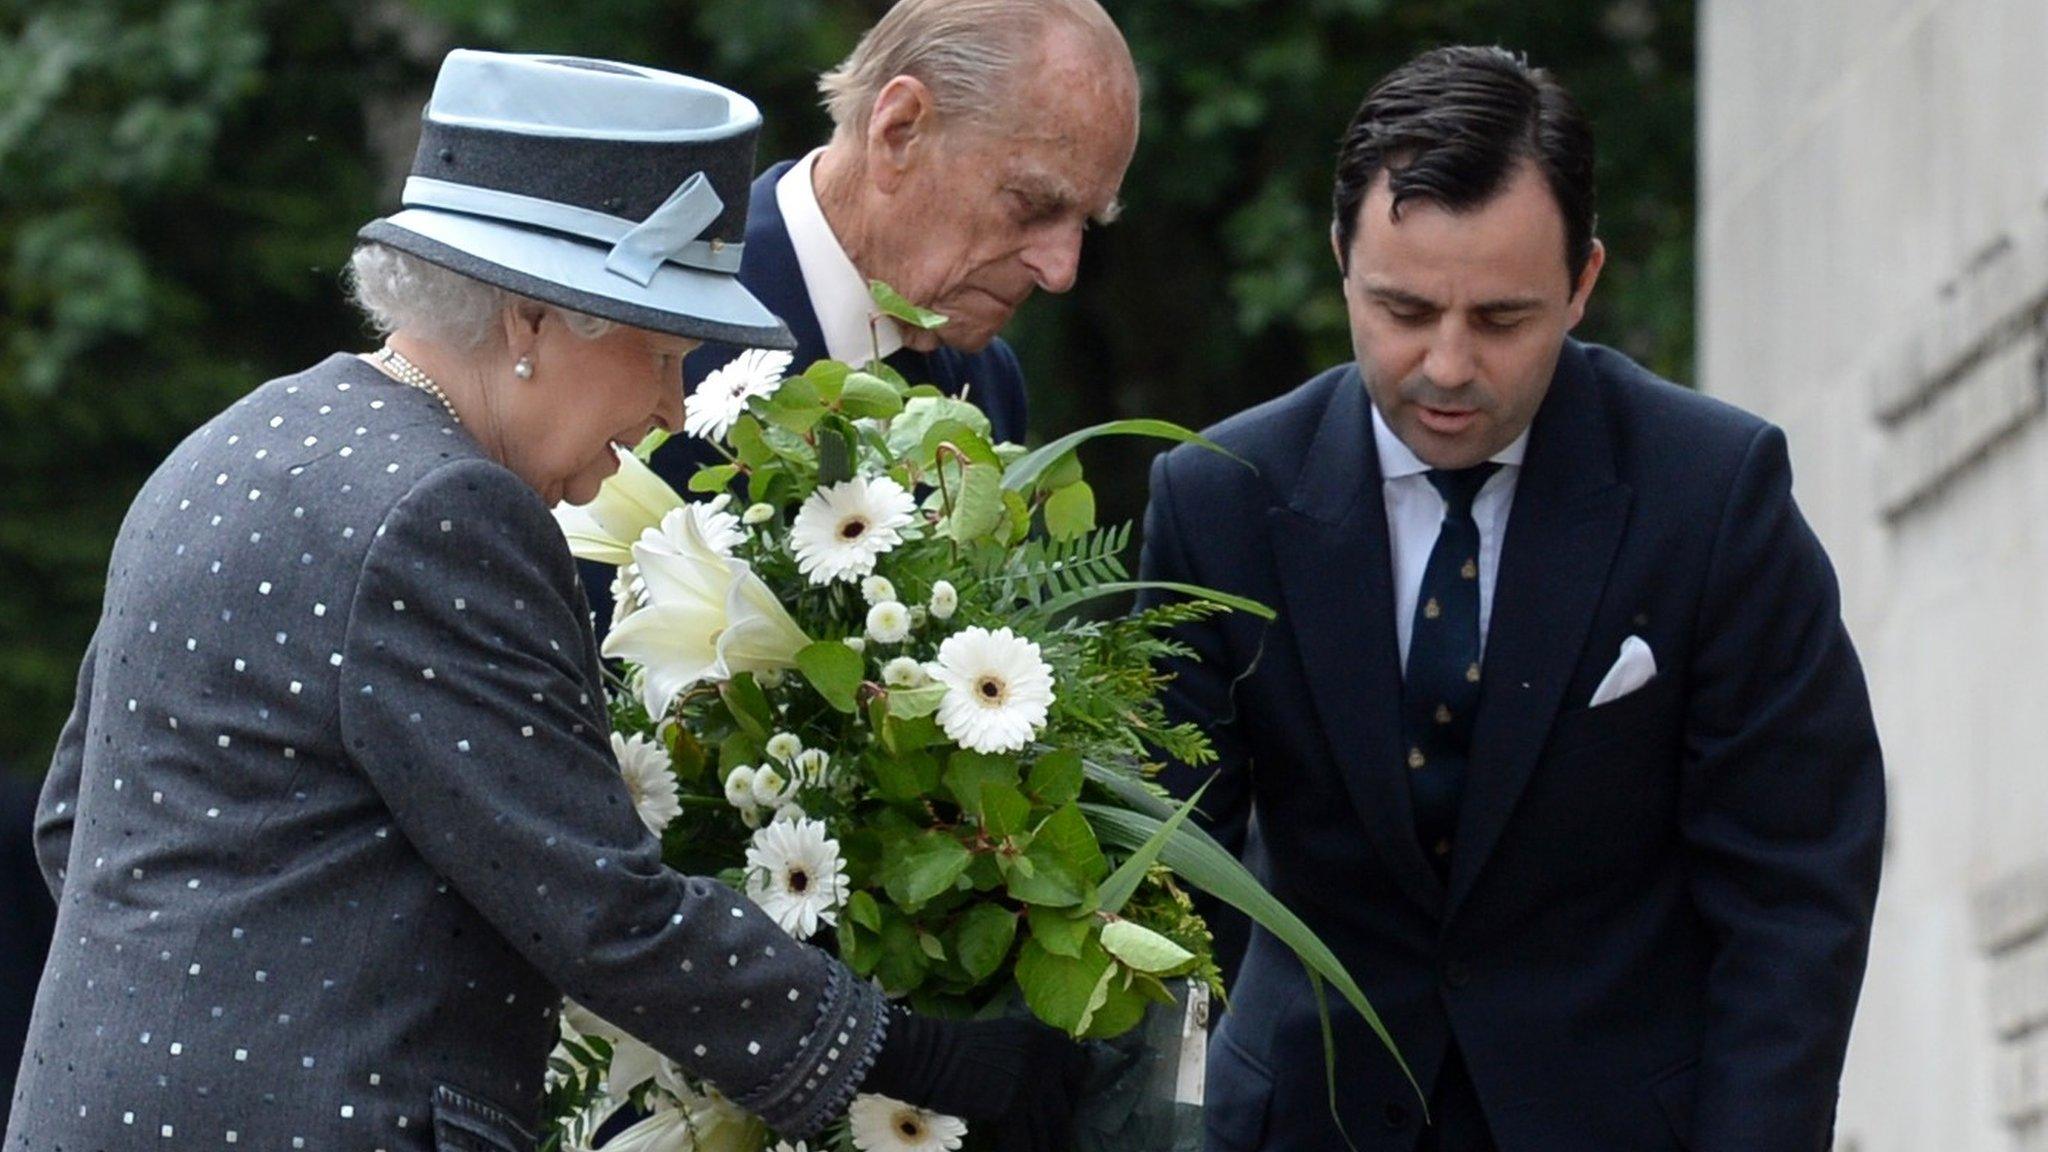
<point x="888" y="623"/>
<point x="945" y="600"/>
<point x="876" y="589"/>
<point x="784" y="746"/>
<point x="795" y="874"/>
<point x="904" y="672"/>
<point x="649" y="779"/>
<point x="711" y="410"/>
<point x="857" y="643"/>
<point x="998" y="689"/>
<point x="841" y="529"/>
<point x="880" y="1124"/>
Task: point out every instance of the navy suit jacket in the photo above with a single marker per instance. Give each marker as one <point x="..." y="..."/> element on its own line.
<point x="991" y="377"/>
<point x="1654" y="929"/>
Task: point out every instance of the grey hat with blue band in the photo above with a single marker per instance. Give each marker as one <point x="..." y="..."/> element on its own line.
<point x="604" y="188"/>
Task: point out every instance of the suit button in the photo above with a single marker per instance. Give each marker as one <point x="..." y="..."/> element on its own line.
<point x="1396" y="1117"/>
<point x="1457" y="973"/>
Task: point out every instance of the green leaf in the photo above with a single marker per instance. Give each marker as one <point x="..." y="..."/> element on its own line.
<point x="1236" y="603"/>
<point x="982" y="939"/>
<point x="1124" y="882"/>
<point x="795" y="407"/>
<point x="1004" y="810"/>
<point x="903" y="964"/>
<point x="867" y="395"/>
<point x="1025" y="472"/>
<point x="910" y="703"/>
<point x="902" y="735"/>
<point x="1060" y="933"/>
<point x="827" y="377"/>
<point x="861" y="909"/>
<point x="925" y="868"/>
<point x="1063" y="991"/>
<point x="834" y="670"/>
<point x="1064" y="471"/>
<point x="651" y="443"/>
<point x="713" y="478"/>
<point x="977" y="504"/>
<point x="1142" y="949"/>
<point x="967" y="773"/>
<point x="1067" y="837"/>
<point x="1041" y="877"/>
<point x="838" y="447"/>
<point x="906" y="778"/>
<point x="931" y="946"/>
<point x="891" y="303"/>
<point x="1055" y="779"/>
<point x="1070" y="511"/>
<point x="910" y="431"/>
<point x="749" y="706"/>
<point x="968" y="441"/>
<point x="749" y="443"/>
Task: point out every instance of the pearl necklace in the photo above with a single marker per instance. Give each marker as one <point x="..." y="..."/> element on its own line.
<point x="405" y="371"/>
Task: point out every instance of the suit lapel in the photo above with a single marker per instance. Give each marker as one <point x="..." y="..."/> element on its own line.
<point x="1336" y="578"/>
<point x="770" y="270"/>
<point x="1567" y="520"/>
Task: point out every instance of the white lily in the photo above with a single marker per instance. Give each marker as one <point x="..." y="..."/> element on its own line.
<point x="707" y="617"/>
<point x="631" y="501"/>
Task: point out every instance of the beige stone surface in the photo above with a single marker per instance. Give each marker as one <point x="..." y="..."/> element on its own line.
<point x="1874" y="270"/>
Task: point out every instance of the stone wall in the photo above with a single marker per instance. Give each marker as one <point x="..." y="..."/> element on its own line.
<point x="1874" y="256"/>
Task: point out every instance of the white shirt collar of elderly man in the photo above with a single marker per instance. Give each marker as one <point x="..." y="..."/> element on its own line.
<point x="838" y="292"/>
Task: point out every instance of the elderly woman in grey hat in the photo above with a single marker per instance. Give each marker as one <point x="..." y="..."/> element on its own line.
<point x="335" y="822"/>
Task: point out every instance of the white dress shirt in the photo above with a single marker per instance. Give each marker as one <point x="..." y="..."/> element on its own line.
<point x="838" y="292"/>
<point x="1415" y="513"/>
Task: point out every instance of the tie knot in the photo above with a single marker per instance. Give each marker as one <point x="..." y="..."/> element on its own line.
<point x="1460" y="486"/>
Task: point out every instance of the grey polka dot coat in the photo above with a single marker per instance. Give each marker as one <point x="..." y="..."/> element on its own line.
<point x="335" y="821"/>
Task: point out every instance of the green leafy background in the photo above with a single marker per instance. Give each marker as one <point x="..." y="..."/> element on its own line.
<point x="180" y="179"/>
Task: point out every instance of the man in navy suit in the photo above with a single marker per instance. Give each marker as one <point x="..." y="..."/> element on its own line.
<point x="1559" y="741"/>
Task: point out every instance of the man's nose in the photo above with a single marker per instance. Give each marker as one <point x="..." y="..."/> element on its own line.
<point x="1055" y="259"/>
<point x="1450" y="363"/>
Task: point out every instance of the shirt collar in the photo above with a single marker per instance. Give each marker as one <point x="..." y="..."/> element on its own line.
<point x="1397" y="460"/>
<point x="838" y="291"/>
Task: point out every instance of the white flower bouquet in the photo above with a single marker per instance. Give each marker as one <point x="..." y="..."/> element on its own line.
<point x="856" y="686"/>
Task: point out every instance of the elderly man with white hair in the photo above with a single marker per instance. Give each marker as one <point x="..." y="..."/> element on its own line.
<point x="974" y="142"/>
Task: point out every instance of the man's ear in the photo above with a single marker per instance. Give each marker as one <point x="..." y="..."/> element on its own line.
<point x="900" y="129"/>
<point x="1583" y="290"/>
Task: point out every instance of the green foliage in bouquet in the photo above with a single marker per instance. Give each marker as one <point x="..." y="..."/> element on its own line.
<point x="856" y="688"/>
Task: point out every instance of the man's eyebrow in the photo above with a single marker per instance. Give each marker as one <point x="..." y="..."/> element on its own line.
<point x="1510" y="304"/>
<point x="1401" y="296"/>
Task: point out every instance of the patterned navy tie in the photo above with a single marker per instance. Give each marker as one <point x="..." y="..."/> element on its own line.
<point x="1441" y="689"/>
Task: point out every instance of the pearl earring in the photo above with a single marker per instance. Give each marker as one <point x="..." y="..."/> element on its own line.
<point x="523" y="369"/>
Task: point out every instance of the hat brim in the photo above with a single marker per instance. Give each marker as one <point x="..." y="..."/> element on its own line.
<point x="570" y="273"/>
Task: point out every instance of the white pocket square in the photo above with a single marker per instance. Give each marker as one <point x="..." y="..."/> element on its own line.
<point x="1634" y="668"/>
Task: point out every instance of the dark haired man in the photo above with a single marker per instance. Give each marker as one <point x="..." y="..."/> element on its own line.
<point x="1559" y="741"/>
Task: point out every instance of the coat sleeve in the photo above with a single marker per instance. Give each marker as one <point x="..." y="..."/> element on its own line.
<point x="1782" y="815"/>
<point x="467" y="700"/>
<point x="1201" y="693"/>
<point x="57" y="812"/>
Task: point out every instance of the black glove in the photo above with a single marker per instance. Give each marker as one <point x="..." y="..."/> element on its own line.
<point x="1017" y="1079"/>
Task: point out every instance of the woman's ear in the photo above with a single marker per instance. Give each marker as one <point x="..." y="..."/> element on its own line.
<point x="522" y="319"/>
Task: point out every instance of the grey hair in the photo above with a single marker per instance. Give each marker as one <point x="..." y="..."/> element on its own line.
<point x="967" y="52"/>
<point x="397" y="290"/>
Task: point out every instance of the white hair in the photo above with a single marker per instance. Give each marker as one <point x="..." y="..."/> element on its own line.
<point x="967" y="52"/>
<point x="397" y="290"/>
